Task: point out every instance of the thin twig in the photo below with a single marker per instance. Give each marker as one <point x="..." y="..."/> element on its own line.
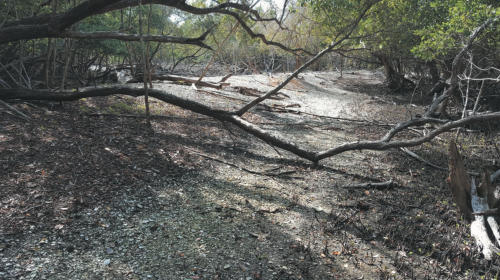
<point x="236" y="166"/>
<point x="138" y="116"/>
<point x="14" y="110"/>
<point x="412" y="154"/>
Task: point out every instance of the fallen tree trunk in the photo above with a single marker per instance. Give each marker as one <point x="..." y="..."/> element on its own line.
<point x="173" y="78"/>
<point x="384" y="143"/>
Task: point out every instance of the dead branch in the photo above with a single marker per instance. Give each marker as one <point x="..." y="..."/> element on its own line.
<point x="459" y="181"/>
<point x="255" y="93"/>
<point x="133" y="37"/>
<point x="476" y="202"/>
<point x="173" y="78"/>
<point x="453" y="81"/>
<point x="383" y="144"/>
<point x="378" y="186"/>
<point x="478" y="226"/>
<point x="489" y="212"/>
<point x="328" y="49"/>
<point x="236" y="166"/>
<point x="412" y="154"/>
<point x="225" y="78"/>
<point x="136" y="116"/>
<point x="14" y="110"/>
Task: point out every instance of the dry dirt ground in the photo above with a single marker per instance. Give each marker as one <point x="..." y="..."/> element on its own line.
<point x="87" y="191"/>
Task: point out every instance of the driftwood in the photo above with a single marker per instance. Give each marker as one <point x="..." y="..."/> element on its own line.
<point x="481" y="202"/>
<point x="172" y="78"/>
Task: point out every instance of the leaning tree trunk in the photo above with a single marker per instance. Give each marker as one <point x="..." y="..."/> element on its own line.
<point x="433" y="71"/>
<point x="392" y="78"/>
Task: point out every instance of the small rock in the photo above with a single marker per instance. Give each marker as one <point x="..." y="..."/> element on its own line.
<point x="318" y="209"/>
<point x="107" y="262"/>
<point x="227" y="266"/>
<point x="109" y="251"/>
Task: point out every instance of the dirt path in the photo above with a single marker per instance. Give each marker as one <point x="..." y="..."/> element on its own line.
<point x="88" y="194"/>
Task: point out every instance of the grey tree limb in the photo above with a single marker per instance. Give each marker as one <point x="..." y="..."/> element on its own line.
<point x="136" y="38"/>
<point x="272" y="139"/>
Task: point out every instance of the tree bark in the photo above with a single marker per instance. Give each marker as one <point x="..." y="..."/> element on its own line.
<point x="56" y="24"/>
<point x="67" y="63"/>
<point x="47" y="64"/>
<point x="53" y="73"/>
<point x="459" y="181"/>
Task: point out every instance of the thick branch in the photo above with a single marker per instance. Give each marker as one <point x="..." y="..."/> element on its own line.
<point x="51" y="25"/>
<point x="55" y="25"/>
<point x="132" y="37"/>
<point x="380" y="145"/>
<point x="179" y="79"/>
<point x="274" y="140"/>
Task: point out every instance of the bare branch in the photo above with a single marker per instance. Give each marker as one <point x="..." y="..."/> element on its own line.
<point x="260" y="133"/>
<point x="132" y="37"/>
<point x="51" y="25"/>
<point x="453" y="82"/>
<point x="330" y="47"/>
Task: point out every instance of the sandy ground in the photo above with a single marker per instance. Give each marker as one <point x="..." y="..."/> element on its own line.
<point x="88" y="193"/>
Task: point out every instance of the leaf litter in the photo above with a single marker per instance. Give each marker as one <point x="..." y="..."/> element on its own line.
<point x="86" y="195"/>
